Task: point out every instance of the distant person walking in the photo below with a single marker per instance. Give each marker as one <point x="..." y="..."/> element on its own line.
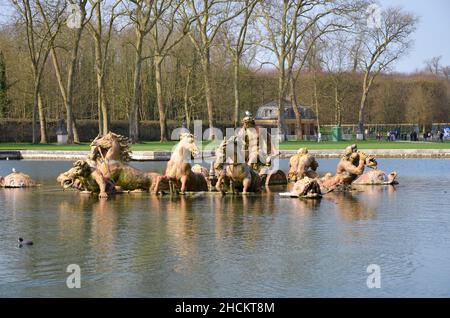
<point x="441" y="136"/>
<point x="379" y="136"/>
<point x="392" y="135"/>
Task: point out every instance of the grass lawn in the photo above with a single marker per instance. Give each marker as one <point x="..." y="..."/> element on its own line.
<point x="289" y="145"/>
<point x="366" y="144"/>
<point x="146" y="146"/>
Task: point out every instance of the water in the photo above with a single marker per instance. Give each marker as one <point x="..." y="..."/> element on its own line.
<point x="141" y="245"/>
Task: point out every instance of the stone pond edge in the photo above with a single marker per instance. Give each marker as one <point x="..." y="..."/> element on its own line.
<point x="165" y="155"/>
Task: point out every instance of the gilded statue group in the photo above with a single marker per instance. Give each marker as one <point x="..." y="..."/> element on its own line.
<point x="242" y="164"/>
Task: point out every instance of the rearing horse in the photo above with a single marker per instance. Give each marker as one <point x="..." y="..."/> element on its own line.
<point x="179" y="170"/>
<point x="110" y="147"/>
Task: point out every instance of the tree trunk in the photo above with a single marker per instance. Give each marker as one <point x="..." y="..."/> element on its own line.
<point x="34" y="116"/>
<point x="361" y="113"/>
<point x="281" y="83"/>
<point x="298" y="115"/>
<point x="101" y="97"/>
<point x="133" y="116"/>
<point x="337" y="105"/>
<point x="160" y="99"/>
<point x="103" y="120"/>
<point x="206" y="64"/>
<point x="316" y="101"/>
<point x="186" y="99"/>
<point x="42" y="121"/>
<point x="76" y="137"/>
<point x="67" y="95"/>
<point x="59" y="78"/>
<point x="71" y="125"/>
<point x="236" y="91"/>
<point x="104" y="105"/>
<point x="362" y="106"/>
<point x="100" y="116"/>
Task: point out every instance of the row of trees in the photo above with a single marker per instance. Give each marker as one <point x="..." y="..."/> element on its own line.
<point x="418" y="99"/>
<point x="204" y="59"/>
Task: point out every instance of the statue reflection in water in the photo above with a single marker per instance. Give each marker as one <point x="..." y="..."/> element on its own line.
<point x="100" y="229"/>
<point x="362" y="203"/>
<point x="187" y="219"/>
<point x="13" y="199"/>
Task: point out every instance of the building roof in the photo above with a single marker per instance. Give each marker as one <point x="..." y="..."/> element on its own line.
<point x="270" y="111"/>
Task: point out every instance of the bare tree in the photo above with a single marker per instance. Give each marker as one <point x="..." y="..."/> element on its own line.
<point x="289" y="26"/>
<point x="39" y="41"/>
<point x="382" y="45"/>
<point x="186" y="101"/>
<point x="102" y="39"/>
<point x="338" y="62"/>
<point x="433" y="65"/>
<point x="446" y="72"/>
<point x="189" y="60"/>
<point x="355" y="53"/>
<point x="140" y="15"/>
<point x="158" y="18"/>
<point x="314" y="61"/>
<point x="303" y="51"/>
<point x="165" y="37"/>
<point x="235" y="35"/>
<point x="209" y="16"/>
<point x="277" y="17"/>
<point x="67" y="91"/>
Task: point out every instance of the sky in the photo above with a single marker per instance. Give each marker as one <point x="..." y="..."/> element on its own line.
<point x="432" y="37"/>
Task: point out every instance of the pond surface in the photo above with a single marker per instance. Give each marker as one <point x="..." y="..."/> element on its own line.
<point x="141" y="245"/>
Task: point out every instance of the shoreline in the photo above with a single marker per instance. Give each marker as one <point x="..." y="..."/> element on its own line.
<point x="165" y="155"/>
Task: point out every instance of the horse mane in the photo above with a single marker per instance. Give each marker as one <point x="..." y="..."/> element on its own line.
<point x="221" y="151"/>
<point x="110" y="141"/>
<point x="179" y="145"/>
